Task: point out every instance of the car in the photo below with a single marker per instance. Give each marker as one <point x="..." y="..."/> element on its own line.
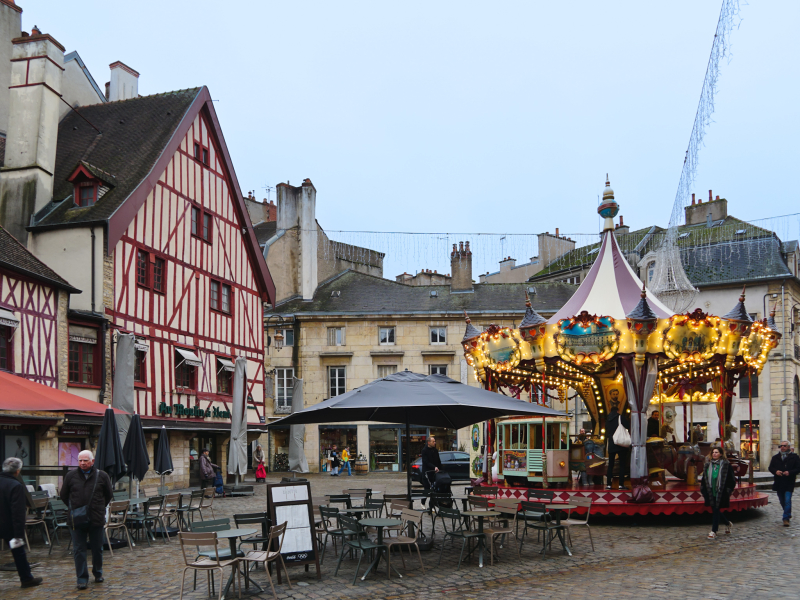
<point x="454" y="463"/>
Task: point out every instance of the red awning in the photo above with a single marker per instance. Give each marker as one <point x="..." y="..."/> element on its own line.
<point x="18" y="393"/>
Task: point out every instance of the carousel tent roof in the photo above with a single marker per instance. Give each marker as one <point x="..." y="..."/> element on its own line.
<point x="610" y="288"/>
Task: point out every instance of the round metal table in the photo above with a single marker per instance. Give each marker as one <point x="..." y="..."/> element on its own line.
<point x="480" y="515"/>
<point x="379" y="524"/>
<point x="232" y="535"/>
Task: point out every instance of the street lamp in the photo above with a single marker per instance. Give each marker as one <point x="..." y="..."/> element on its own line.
<point x="278" y="332"/>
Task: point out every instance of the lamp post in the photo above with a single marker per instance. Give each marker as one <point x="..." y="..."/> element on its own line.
<point x="278" y="334"/>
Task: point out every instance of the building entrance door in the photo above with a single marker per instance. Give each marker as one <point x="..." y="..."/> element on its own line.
<point x="196" y="445"/>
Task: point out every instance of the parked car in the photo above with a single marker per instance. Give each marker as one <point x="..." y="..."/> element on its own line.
<point x="455" y="463"/>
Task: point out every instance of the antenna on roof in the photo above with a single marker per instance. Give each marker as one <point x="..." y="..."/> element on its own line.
<point x="269" y="188"/>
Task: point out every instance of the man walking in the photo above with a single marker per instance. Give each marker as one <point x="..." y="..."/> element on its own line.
<point x="346" y="461"/>
<point x="616" y="452"/>
<point x="785" y="466"/>
<point x="90" y="487"/>
<point x="12" y="519"/>
<point x="431" y="463"/>
<point x="653" y="425"/>
<point x="206" y="470"/>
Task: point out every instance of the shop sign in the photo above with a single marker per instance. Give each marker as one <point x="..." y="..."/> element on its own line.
<point x="9" y="426"/>
<point x="74" y="430"/>
<point x="179" y="410"/>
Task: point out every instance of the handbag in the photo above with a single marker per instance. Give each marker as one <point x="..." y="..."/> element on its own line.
<point x="81" y="520"/>
<point x="621" y="436"/>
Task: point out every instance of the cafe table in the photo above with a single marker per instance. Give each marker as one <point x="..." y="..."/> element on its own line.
<point x="232" y="535"/>
<point x="480" y="515"/>
<point x="559" y="532"/>
<point x="379" y="524"/>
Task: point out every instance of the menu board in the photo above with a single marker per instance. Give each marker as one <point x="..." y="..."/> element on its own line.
<point x="290" y="503"/>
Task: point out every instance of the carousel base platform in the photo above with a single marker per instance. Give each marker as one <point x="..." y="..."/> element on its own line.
<point x="676" y="498"/>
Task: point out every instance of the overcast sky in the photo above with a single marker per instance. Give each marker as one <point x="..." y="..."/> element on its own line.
<point x="469" y="116"/>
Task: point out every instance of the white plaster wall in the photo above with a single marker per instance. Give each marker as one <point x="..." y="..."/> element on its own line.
<point x="68" y="253"/>
<point x="76" y="88"/>
<point x="123" y="85"/>
<point x="308" y="241"/>
<point x="9" y="29"/>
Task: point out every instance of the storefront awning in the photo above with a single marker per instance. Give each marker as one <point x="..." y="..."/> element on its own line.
<point x="19" y="394"/>
<point x="189" y="357"/>
<point x="226" y="364"/>
<point x="8" y="319"/>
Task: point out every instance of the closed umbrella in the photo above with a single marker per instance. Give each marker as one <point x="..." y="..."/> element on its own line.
<point x="123" y="383"/>
<point x="135" y="451"/>
<point x="109" y="456"/>
<point x="237" y="453"/>
<point x="163" y="465"/>
<point x="406" y="397"/>
<point x="297" y="433"/>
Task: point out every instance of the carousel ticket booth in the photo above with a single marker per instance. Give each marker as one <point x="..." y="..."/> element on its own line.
<point x="620" y="350"/>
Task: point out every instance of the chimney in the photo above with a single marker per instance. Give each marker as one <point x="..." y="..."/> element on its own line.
<point x="297" y="210"/>
<point x="26" y="183"/>
<point x="461" y="267"/>
<point x="124" y="82"/>
<point x="710" y="197"/>
<point x="713" y="210"/>
<point x="11" y="27"/>
<point x="692" y="199"/>
<point x="556" y="231"/>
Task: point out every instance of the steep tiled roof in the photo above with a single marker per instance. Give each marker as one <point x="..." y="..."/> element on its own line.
<point x="133" y="134"/>
<point x="16" y="257"/>
<point x="732" y="262"/>
<point x="365" y="294"/>
<point x="264" y="231"/>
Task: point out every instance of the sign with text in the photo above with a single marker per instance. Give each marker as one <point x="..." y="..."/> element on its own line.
<point x="179" y="410"/>
<point x="290" y="503"/>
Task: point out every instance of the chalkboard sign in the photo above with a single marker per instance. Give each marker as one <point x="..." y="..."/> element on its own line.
<point x="290" y="503"/>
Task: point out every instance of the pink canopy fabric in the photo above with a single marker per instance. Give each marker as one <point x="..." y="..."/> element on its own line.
<point x="611" y="288"/>
<point x="18" y="393"/>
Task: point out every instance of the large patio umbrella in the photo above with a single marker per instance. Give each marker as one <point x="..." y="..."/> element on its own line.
<point x="237" y="454"/>
<point x="406" y="397"/>
<point x="163" y="456"/>
<point x="108" y="456"/>
<point x="135" y="451"/>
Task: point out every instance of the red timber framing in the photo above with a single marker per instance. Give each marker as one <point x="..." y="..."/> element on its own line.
<point x="180" y="316"/>
<point x="35" y="341"/>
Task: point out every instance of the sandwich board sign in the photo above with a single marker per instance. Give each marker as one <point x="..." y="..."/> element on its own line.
<point x="291" y="503"/>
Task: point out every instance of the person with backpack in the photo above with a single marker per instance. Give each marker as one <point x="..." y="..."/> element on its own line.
<point x="615" y="452"/>
<point x="206" y="470"/>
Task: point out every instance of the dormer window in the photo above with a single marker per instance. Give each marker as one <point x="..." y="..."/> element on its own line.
<point x="86" y="194"/>
<point x="90" y="183"/>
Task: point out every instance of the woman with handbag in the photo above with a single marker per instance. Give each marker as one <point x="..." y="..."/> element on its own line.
<point x="87" y="491"/>
<point x="717" y="486"/>
<point x="617" y="450"/>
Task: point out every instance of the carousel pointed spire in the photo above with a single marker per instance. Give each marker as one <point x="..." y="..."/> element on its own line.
<point x="739" y="312"/>
<point x="471" y="331"/>
<point x="642" y="311"/>
<point x="531" y="318"/>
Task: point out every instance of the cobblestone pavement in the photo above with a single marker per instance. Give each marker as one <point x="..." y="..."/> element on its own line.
<point x="664" y="557"/>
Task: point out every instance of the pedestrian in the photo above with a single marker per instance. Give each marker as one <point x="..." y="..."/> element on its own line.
<point x="258" y="457"/>
<point x="87" y="486"/>
<point x="431" y="463"/>
<point x="785" y="466"/>
<point x="206" y="470"/>
<point x="615" y="452"/>
<point x="12" y="519"/>
<point x="346" y="460"/>
<point x="717" y="485"/>
<point x="334" y="462"/>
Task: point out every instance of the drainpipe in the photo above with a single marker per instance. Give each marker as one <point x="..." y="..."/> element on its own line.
<point x="784" y="411"/>
<point x="103" y="330"/>
<point x="92" y="230"/>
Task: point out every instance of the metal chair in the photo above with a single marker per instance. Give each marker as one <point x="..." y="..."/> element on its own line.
<point x="330" y="515"/>
<point x="56" y="518"/>
<point x="172" y="503"/>
<point x="360" y="495"/>
<point x="537" y="517"/>
<point x="274" y="540"/>
<point x="186" y="513"/>
<point x="339" y="499"/>
<point x="209" y="561"/>
<point x="412" y="520"/>
<point x="498" y="528"/>
<point x="207" y="501"/>
<point x="262" y="521"/>
<point x="456" y="530"/>
<point x="569" y="522"/>
<point x="540" y="495"/>
<point x="36" y="517"/>
<point x="488" y="491"/>
<point x="358" y="540"/>
<point x="117" y="517"/>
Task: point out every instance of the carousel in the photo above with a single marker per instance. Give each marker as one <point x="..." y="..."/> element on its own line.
<point x="613" y="345"/>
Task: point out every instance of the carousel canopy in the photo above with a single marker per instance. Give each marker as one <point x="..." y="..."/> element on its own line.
<point x="610" y="288"/>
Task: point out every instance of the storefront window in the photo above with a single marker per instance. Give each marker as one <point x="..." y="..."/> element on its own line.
<point x="750" y="444"/>
<point x="279" y="449"/>
<point x="383" y="450"/>
<point x="419" y="437"/>
<point x="341" y="436"/>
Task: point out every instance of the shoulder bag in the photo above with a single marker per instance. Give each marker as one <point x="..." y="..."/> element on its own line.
<point x="621" y="436"/>
<point x="81" y="519"/>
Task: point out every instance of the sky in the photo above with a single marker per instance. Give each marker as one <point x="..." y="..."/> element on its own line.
<point x="475" y="117"/>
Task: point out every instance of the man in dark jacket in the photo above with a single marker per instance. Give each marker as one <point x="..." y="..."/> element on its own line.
<point x="206" y="470"/>
<point x="616" y="452"/>
<point x="12" y="519"/>
<point x="785" y="466"/>
<point x="87" y="486"/>
<point x="430" y="462"/>
<point x="653" y="425"/>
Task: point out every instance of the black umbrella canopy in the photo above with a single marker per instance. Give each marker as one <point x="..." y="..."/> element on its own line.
<point x="135" y="450"/>
<point x="406" y="397"/>
<point x="163" y="464"/>
<point x="109" y="456"/>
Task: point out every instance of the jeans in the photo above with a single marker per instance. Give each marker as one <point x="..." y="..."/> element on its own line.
<point x="785" y="498"/>
<point x="21" y="562"/>
<point x="716" y="515"/>
<point x="613" y="455"/>
<point x="95" y="535"/>
<point x="347" y="464"/>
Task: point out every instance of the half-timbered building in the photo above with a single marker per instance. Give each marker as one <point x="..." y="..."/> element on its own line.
<point x="147" y="218"/>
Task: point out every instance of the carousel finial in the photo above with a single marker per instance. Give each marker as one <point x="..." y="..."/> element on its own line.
<point x="644" y="291"/>
<point x="741" y="298"/>
<point x="527" y="299"/>
<point x="466" y="316"/>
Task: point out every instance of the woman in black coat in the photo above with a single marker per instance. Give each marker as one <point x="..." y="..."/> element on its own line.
<point x="717" y="487"/>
